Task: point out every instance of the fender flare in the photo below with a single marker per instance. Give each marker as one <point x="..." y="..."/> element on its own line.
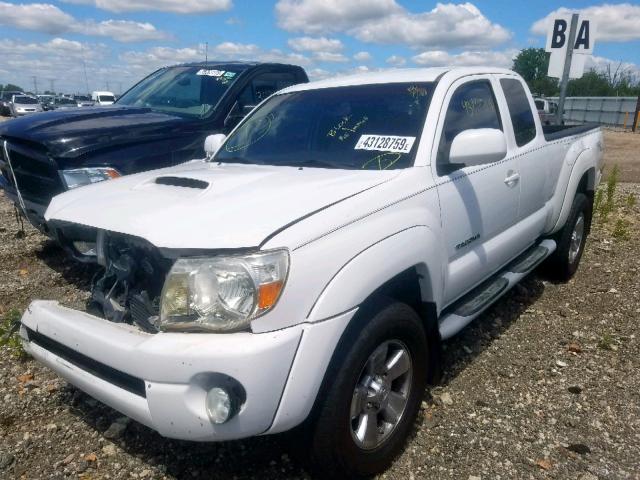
<point x="583" y="165"/>
<point x="372" y="267"/>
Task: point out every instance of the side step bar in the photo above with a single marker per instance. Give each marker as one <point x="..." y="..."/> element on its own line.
<point x="469" y="307"/>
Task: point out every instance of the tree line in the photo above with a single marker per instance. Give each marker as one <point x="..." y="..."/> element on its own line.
<point x="612" y="81"/>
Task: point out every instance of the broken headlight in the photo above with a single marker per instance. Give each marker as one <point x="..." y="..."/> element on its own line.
<point x="222" y="293"/>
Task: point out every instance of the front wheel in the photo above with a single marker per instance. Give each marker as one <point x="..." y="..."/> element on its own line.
<point x="563" y="263"/>
<point x="372" y="395"/>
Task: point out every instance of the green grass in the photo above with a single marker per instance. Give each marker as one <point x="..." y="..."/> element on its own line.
<point x="11" y="341"/>
<point x="621" y="230"/>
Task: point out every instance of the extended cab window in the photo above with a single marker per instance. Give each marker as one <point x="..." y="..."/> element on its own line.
<point x="371" y="127"/>
<point x="524" y="126"/>
<point x="472" y="106"/>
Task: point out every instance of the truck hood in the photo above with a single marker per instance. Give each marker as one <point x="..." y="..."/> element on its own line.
<point x="69" y="133"/>
<point x="202" y="205"/>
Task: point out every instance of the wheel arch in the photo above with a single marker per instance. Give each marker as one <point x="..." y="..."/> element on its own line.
<point x="581" y="180"/>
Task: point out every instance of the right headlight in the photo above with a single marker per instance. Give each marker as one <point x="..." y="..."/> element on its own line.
<point x="222" y="293"/>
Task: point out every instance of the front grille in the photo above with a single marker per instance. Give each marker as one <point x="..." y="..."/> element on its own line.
<point x="37" y="176"/>
<point x="120" y="379"/>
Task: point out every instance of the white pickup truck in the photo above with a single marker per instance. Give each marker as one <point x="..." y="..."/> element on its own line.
<point x="307" y="271"/>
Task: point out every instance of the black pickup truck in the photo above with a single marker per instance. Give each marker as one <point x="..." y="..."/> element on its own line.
<point x="163" y="120"/>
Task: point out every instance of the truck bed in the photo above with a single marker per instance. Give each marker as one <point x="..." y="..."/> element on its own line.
<point x="556" y="132"/>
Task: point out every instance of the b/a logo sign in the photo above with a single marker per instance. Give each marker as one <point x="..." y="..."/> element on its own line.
<point x="560" y="35"/>
<point x="558" y="40"/>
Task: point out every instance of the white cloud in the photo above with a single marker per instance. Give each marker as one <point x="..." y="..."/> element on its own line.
<point x="615" y="23"/>
<point x="156" y="57"/>
<point x="330" y="57"/>
<point x="447" y="25"/>
<point x="318" y="16"/>
<point x="173" y="6"/>
<point x="144" y="62"/>
<point x="318" y="74"/>
<point x="396" y="60"/>
<point x="363" y="57"/>
<point x="234" y="21"/>
<point x="57" y="47"/>
<point x="317" y="44"/>
<point x="50" y="19"/>
<point x="40" y="17"/>
<point x="613" y="67"/>
<point x="238" y="50"/>
<point x="65" y="61"/>
<point x="122" y="30"/>
<point x="386" y="22"/>
<point x="250" y="51"/>
<point x="441" y="58"/>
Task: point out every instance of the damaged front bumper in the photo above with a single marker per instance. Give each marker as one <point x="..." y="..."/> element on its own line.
<point x="161" y="380"/>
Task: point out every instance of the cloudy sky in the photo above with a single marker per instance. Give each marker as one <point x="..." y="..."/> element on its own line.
<point x="117" y="42"/>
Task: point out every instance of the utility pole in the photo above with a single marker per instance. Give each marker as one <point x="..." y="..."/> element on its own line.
<point x="635" y="117"/>
<point x="567" y="68"/>
<point x="35" y="84"/>
<point x="108" y="89"/>
<point x="206" y="52"/>
<point x="52" y="85"/>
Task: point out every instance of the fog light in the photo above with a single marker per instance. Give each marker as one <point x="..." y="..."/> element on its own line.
<point x="219" y="405"/>
<point x="85" y="248"/>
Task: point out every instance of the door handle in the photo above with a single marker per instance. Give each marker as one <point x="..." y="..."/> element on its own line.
<point x="512" y="178"/>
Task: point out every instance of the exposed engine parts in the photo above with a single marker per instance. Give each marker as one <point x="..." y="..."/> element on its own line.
<point x="127" y="289"/>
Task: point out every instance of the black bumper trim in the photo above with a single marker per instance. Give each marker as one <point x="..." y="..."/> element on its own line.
<point x="109" y="374"/>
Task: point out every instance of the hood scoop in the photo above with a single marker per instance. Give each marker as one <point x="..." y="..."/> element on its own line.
<point x="182" y="182"/>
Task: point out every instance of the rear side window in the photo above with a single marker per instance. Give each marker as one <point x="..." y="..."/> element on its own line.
<point x="524" y="126"/>
<point x="472" y="106"/>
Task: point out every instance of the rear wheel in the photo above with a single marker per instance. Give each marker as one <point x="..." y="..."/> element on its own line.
<point x="371" y="395"/>
<point x="563" y="263"/>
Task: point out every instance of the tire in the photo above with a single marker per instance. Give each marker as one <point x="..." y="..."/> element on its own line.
<point x="571" y="239"/>
<point x="340" y="444"/>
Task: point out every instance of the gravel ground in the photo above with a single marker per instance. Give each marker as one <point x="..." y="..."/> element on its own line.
<point x="545" y="385"/>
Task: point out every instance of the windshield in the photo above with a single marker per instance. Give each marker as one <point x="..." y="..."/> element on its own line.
<point x="106" y="98"/>
<point x="25" y="100"/>
<point x="185" y="91"/>
<point x="66" y="101"/>
<point x="372" y="127"/>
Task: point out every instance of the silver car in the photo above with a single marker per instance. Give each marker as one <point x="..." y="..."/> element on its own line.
<point x="24" y="105"/>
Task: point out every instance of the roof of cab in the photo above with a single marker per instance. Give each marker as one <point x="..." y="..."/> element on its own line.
<point x="399" y="75"/>
<point x="238" y="65"/>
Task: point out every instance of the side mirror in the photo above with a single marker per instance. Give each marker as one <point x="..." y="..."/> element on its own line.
<point x="213" y="143"/>
<point x="478" y="146"/>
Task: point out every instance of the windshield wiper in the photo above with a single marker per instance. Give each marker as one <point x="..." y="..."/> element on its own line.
<point x="243" y="160"/>
<point x="318" y="163"/>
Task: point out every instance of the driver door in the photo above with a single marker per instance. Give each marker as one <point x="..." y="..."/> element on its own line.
<point x="478" y="204"/>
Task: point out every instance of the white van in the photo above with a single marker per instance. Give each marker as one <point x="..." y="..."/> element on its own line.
<point x="103" y="98"/>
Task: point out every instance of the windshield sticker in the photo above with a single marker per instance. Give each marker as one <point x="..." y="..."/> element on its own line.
<point x="210" y="73"/>
<point x="385" y="143"/>
<point x="344" y="129"/>
<point x="383" y="161"/>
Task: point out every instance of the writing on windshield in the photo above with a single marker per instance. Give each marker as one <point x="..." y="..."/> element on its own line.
<point x="372" y="127"/>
